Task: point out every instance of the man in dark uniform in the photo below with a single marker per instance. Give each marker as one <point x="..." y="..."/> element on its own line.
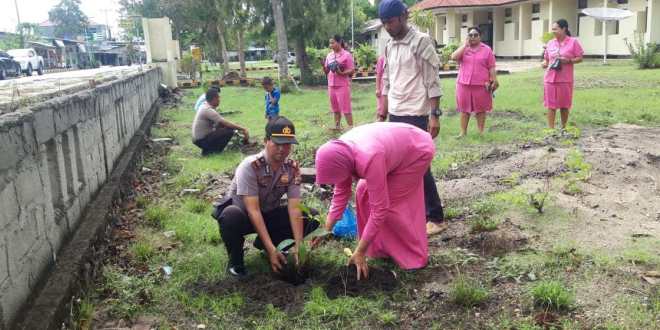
<point x="259" y="183"/>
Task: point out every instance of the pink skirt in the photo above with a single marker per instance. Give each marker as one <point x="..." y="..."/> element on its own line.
<point x="473" y="99"/>
<point x="558" y="95"/>
<point x="340" y="99"/>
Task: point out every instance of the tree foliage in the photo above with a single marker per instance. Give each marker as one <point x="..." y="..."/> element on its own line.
<point x="69" y="19"/>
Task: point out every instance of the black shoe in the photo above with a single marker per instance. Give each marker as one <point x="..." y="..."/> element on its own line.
<point x="237" y="271"/>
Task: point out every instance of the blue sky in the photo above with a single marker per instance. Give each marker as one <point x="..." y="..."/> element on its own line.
<point x="36" y="11"/>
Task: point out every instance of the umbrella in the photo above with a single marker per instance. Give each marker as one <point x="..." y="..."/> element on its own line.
<point x="607" y="14"/>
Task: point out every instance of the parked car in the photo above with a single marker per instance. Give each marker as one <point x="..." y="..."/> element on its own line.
<point x="8" y="67"/>
<point x="28" y="59"/>
<point x="290" y="60"/>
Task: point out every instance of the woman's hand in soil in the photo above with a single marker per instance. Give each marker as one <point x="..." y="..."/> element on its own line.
<point x="277" y="260"/>
<point x="360" y="262"/>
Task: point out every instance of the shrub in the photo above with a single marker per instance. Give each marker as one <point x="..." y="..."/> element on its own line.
<point x="552" y="294"/>
<point x="646" y="55"/>
<point x="365" y="55"/>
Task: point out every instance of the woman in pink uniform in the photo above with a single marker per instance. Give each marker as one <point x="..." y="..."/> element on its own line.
<point x="560" y="55"/>
<point x="339" y="67"/>
<point x="381" y="114"/>
<point x="389" y="160"/>
<point x="477" y="80"/>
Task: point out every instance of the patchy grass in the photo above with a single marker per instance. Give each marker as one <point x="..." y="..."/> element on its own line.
<point x="482" y="224"/>
<point x="552" y="295"/>
<point x="136" y="285"/>
<point x="467" y="292"/>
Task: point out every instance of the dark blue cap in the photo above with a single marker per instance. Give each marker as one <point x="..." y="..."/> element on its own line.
<point x="391" y="8"/>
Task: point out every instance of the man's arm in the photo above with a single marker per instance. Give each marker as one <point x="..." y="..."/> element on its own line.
<point x="430" y="70"/>
<point x="296" y="219"/>
<point x="257" y="220"/>
<point x="385" y="89"/>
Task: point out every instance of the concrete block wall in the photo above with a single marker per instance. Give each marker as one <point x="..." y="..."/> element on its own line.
<point x="54" y="156"/>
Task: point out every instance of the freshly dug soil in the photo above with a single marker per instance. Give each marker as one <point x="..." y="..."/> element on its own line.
<point x="346" y="284"/>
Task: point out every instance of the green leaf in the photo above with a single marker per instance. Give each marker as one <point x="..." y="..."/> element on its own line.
<point x="318" y="233"/>
<point x="304" y="209"/>
<point x="285" y="244"/>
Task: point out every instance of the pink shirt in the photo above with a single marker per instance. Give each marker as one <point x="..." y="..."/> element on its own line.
<point x="345" y="60"/>
<point x="570" y="48"/>
<point x="381" y="150"/>
<point x="476" y="64"/>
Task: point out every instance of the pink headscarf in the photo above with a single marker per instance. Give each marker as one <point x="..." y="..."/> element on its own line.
<point x="334" y="162"/>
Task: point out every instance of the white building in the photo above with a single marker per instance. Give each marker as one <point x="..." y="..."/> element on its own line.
<point x="513" y="28"/>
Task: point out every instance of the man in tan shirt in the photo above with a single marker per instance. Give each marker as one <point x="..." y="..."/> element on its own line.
<point x="410" y="81"/>
<point x="211" y="132"/>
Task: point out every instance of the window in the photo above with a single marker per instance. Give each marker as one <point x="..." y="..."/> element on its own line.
<point x="464" y="18"/>
<point x="536" y="8"/>
<point x="508" y="13"/>
<point x="616" y="27"/>
<point x="622" y="2"/>
<point x="582" y="4"/>
<point x="580" y="15"/>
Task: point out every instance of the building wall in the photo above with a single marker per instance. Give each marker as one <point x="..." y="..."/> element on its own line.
<point x="519" y="35"/>
<point x="54" y="157"/>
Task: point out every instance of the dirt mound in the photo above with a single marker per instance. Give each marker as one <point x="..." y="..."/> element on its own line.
<point x="622" y="196"/>
<point x="506" y="238"/>
<point x="346" y="283"/>
<point x="258" y="290"/>
<point x="619" y="199"/>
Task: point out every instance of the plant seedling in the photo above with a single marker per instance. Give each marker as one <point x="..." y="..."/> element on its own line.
<point x="293" y="272"/>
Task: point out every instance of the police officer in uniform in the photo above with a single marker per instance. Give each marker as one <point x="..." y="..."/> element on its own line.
<point x="259" y="183"/>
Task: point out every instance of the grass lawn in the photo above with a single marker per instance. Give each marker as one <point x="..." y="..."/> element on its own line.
<point x="465" y="288"/>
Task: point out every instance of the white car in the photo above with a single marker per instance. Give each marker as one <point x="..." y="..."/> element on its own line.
<point x="290" y="60"/>
<point x="29" y="60"/>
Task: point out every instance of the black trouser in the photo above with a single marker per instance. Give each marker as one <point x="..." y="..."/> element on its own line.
<point x="235" y="224"/>
<point x="431" y="197"/>
<point x="215" y="141"/>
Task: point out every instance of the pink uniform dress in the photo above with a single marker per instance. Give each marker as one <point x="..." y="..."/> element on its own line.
<point x="473" y="76"/>
<point x="558" y="84"/>
<point x="389" y="160"/>
<point x="339" y="87"/>
<point x="380" y="99"/>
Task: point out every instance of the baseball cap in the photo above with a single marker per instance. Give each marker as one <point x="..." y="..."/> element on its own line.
<point x="391" y="8"/>
<point x="281" y="131"/>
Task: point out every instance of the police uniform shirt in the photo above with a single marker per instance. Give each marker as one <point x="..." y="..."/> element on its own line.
<point x="254" y="177"/>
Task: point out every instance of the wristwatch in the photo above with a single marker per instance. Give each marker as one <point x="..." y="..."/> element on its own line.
<point x="436" y="112"/>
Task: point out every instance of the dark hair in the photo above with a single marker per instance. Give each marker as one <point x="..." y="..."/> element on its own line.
<point x="339" y="40"/>
<point x="267" y="81"/>
<point x="562" y="23"/>
<point x="212" y="93"/>
<point x="474" y="28"/>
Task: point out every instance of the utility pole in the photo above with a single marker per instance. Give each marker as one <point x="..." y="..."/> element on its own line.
<point x="107" y="27"/>
<point x="352" y="31"/>
<point x="20" y="28"/>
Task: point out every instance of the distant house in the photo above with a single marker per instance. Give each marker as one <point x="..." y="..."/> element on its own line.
<point x="93" y="32"/>
<point x="513" y="28"/>
<point x="376" y="35"/>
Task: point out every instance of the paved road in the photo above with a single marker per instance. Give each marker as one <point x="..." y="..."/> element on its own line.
<point x="19" y="92"/>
